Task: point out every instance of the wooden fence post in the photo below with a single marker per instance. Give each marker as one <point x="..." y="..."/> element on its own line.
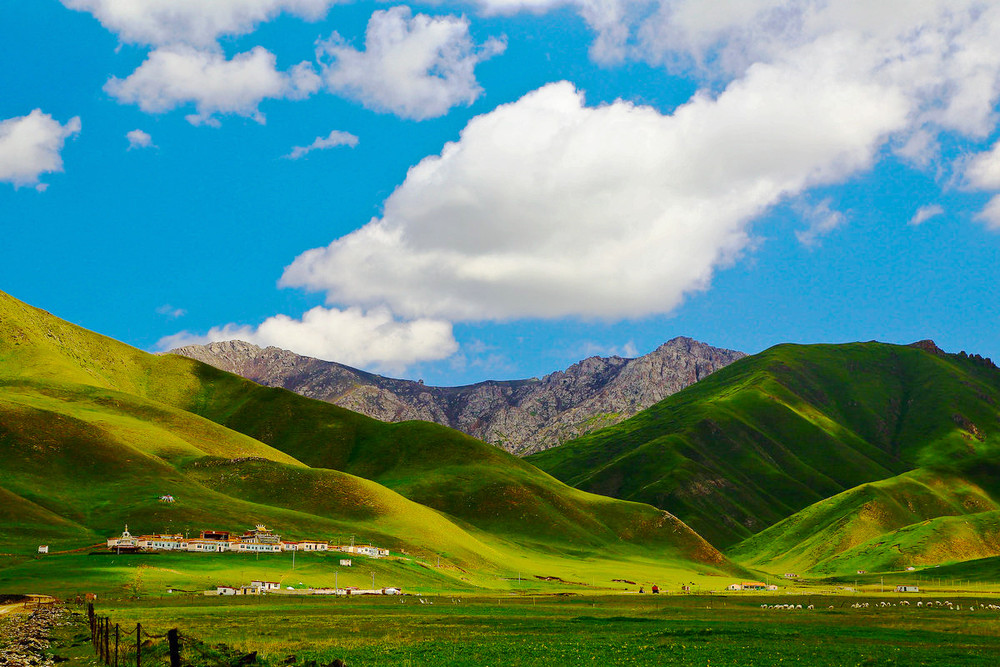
<point x="138" y="645"/>
<point x="116" y="644"/>
<point x="175" y="648"/>
<point x="107" y="641"/>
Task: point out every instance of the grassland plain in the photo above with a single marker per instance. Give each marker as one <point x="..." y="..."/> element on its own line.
<point x="92" y="432"/>
<point x="771" y="434"/>
<point x="576" y="630"/>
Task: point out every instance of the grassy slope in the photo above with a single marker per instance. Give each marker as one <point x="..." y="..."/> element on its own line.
<point x="864" y="528"/>
<point x="771" y="434"/>
<point x="93" y="430"/>
<point x="84" y="470"/>
<point x="941" y="540"/>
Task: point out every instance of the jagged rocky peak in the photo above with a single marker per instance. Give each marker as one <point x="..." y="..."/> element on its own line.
<point x="228" y="355"/>
<point x="928" y="345"/>
<point x="521" y="416"/>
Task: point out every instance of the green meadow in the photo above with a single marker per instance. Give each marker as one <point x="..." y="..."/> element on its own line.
<point x="117" y="576"/>
<point x="572" y="630"/>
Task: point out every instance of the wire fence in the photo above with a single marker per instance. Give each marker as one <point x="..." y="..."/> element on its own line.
<point x="116" y="645"/>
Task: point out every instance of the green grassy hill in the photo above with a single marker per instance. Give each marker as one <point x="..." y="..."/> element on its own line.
<point x="771" y="434"/>
<point x="923" y="517"/>
<point x="943" y="539"/>
<point x="92" y="431"/>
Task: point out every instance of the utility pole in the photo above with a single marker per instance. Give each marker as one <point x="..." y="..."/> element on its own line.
<point x="373" y="579"/>
<point x="293" y="559"/>
<point x="336" y="582"/>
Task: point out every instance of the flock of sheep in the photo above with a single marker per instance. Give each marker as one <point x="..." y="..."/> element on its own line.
<point x="787" y="606"/>
<point x="902" y="603"/>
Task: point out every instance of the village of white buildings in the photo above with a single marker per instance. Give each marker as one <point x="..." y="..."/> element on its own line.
<point x="257" y="540"/>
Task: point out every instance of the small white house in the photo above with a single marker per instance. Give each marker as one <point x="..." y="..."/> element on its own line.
<point x="43" y="548"/>
<point x="314" y="545"/>
<point x="907" y="588"/>
<point x="791" y="575"/>
<point x="225" y="590"/>
<point x="734" y="587"/>
<point x="392" y="590"/>
<point x="365" y="550"/>
<point x="345" y="562"/>
<point x="910" y="569"/>
<point x="266" y="585"/>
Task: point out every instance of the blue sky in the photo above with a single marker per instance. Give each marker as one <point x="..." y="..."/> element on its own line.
<point x="464" y="191"/>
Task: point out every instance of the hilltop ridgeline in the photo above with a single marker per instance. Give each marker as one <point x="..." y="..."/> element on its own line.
<point x="521" y="416"/>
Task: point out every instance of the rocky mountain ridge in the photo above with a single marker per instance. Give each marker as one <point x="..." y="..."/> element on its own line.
<point x="521" y="416"/>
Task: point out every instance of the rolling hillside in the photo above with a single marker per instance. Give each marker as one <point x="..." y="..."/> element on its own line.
<point x="93" y="431"/>
<point x="774" y="433"/>
<point x="923" y="517"/>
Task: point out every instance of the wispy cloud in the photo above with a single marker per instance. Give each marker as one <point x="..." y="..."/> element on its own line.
<point x="170" y="311"/>
<point x="591" y="348"/>
<point x="822" y="220"/>
<point x="925" y="213"/>
<point x="334" y="139"/>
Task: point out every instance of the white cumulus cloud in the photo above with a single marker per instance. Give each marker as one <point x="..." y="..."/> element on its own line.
<point x="177" y="76"/>
<point x="332" y="140"/>
<point x="417" y="67"/>
<point x="195" y="22"/>
<point x="945" y="53"/>
<point x="138" y="139"/>
<point x="548" y="208"/>
<point x="373" y="339"/>
<point x="31" y="146"/>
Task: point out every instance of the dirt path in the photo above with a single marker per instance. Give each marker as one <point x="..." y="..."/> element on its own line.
<point x="26" y="605"/>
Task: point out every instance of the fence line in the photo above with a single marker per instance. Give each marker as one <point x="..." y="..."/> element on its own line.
<point x="117" y="645"/>
<point x="123" y="647"/>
